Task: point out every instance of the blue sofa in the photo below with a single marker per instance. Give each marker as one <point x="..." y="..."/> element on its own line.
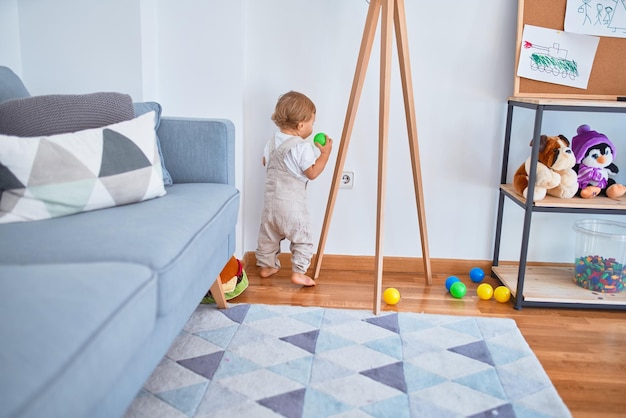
<point x="91" y="302"/>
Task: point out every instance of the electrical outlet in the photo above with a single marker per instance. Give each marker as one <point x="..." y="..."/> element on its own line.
<point x="347" y="180"/>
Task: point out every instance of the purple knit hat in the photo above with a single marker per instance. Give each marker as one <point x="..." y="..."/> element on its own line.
<point x="586" y="139"/>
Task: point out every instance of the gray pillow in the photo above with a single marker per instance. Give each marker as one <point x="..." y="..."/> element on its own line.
<point x="63" y="113"/>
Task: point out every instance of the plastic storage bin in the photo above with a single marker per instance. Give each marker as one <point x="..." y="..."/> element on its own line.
<point x="600" y="255"/>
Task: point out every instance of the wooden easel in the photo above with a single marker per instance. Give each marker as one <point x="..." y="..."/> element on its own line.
<point x="393" y="14"/>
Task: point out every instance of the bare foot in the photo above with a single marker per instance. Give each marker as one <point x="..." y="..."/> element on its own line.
<point x="616" y="190"/>
<point x="303" y="279"/>
<point x="265" y="272"/>
<point x="589" y="192"/>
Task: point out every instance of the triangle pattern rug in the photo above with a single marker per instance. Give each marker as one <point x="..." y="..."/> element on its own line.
<point x="283" y="361"/>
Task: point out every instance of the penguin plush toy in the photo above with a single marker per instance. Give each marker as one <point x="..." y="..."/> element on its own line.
<point x="595" y="154"/>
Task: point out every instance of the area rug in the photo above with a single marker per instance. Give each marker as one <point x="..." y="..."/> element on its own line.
<point x="283" y="361"/>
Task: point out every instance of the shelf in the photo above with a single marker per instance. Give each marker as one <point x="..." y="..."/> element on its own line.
<point x="597" y="203"/>
<point x="555" y="285"/>
<point x="570" y="102"/>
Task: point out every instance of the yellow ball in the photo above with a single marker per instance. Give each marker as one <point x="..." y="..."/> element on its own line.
<point x="484" y="291"/>
<point x="391" y="296"/>
<point x="502" y="294"/>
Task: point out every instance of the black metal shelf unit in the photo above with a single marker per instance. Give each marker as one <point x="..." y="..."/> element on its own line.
<point x="590" y="206"/>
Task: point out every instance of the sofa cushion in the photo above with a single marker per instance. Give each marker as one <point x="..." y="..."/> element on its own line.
<point x="173" y="235"/>
<point x="11" y="87"/>
<point x="62" y="113"/>
<point x="58" y="175"/>
<point x="68" y="332"/>
<point x="145" y="107"/>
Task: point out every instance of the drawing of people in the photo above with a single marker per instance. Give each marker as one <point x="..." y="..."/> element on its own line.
<point x="584" y="8"/>
<point x="618" y="20"/>
<point x="599" y="9"/>
<point x="607" y="16"/>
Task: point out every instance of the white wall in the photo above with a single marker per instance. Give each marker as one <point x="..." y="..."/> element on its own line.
<point x="75" y="46"/>
<point x="200" y="69"/>
<point x="232" y="59"/>
<point x="463" y="70"/>
<point x="10" y="51"/>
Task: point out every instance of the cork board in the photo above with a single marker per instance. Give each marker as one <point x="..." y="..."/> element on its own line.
<point x="608" y="75"/>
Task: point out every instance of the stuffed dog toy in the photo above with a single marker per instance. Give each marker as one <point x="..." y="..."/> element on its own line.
<point x="555" y="174"/>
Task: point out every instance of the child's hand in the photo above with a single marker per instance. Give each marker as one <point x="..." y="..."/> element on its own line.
<point x="327" y="147"/>
<point x="319" y="165"/>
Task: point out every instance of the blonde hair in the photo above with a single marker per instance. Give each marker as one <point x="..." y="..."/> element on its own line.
<point x="291" y="109"/>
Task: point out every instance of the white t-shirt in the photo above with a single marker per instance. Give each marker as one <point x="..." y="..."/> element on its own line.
<point x="298" y="159"/>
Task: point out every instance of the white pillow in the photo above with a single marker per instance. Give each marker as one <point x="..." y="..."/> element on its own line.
<point x="51" y="176"/>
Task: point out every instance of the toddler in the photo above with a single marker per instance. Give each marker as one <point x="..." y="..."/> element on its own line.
<point x="290" y="162"/>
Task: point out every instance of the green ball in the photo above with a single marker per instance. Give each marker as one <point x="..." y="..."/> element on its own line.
<point x="458" y="290"/>
<point x="320" y="138"/>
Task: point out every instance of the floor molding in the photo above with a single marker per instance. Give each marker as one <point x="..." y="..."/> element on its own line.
<point x="390" y="264"/>
<point x="440" y="266"/>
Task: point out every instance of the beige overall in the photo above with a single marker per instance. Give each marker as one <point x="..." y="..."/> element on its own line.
<point x="285" y="214"/>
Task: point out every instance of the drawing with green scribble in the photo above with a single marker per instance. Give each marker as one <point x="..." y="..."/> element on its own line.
<point x="552" y="60"/>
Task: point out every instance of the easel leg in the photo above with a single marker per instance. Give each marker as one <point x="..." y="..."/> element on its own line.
<point x="383" y="131"/>
<point x="392" y="13"/>
<point x="411" y="124"/>
<point x="357" y="87"/>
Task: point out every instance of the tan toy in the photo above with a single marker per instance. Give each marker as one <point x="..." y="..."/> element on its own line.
<point x="555" y="174"/>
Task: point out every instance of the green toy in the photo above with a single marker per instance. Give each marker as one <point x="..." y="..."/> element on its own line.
<point x="458" y="289"/>
<point x="320" y="138"/>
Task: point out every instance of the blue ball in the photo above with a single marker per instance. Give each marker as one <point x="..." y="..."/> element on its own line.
<point x="477" y="274"/>
<point x="450" y="281"/>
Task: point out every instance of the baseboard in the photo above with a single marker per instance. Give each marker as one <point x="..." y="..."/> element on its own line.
<point x="390" y="264"/>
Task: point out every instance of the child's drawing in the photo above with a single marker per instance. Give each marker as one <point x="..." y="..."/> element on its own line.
<point x="596" y="17"/>
<point x="551" y="60"/>
<point x="557" y="57"/>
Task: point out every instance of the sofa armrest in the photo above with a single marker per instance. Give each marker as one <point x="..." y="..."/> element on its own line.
<point x="198" y="150"/>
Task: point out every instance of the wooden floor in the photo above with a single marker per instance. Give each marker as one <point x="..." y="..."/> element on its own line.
<point x="583" y="351"/>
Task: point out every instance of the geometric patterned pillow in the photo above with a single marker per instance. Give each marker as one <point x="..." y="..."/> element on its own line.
<point x="51" y="176"/>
